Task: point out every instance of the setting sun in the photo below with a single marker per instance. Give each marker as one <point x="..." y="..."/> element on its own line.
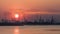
<point x="16" y="15"/>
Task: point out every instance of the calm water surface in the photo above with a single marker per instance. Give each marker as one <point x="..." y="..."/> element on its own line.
<point x="40" y="29"/>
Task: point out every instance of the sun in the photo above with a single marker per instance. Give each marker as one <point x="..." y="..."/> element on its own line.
<point x="16" y="15"/>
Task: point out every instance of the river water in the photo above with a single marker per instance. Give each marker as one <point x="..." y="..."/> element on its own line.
<point x="37" y="29"/>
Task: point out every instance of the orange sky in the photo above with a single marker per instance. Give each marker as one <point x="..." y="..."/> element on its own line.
<point x="30" y="4"/>
<point x="27" y="6"/>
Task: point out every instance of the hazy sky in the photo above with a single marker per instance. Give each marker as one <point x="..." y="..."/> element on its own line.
<point x="30" y="6"/>
<point x="38" y="5"/>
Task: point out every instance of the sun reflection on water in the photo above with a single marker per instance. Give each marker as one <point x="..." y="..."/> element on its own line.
<point x="16" y="30"/>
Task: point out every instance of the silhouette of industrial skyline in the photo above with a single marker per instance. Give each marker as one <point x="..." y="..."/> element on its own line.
<point x="25" y="22"/>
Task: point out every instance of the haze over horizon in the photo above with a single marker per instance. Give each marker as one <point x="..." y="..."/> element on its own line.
<point x="10" y="7"/>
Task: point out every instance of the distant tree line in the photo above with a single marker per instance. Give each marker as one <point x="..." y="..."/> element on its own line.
<point x="39" y="22"/>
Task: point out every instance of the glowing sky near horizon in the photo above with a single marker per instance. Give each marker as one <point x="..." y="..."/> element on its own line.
<point x="30" y="6"/>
